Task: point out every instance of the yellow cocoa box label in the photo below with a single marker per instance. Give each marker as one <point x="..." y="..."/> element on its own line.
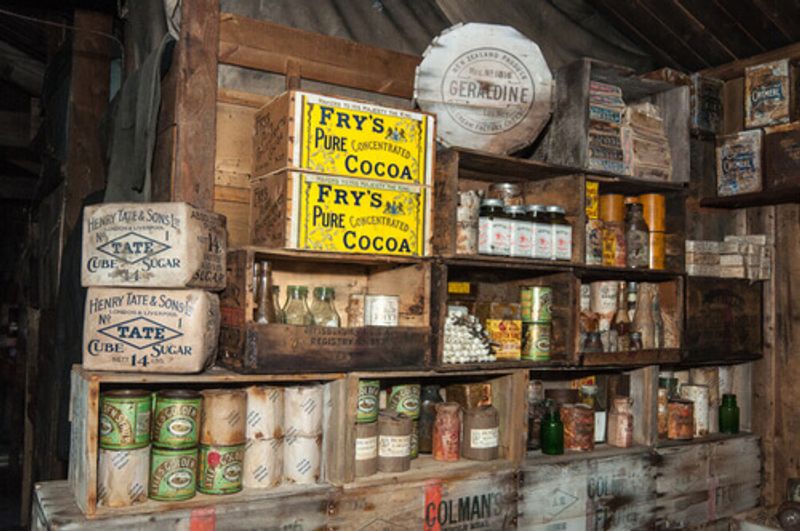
<point x="357" y="139"/>
<point x="340" y="214"/>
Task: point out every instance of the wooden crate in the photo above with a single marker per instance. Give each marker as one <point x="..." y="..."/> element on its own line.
<point x="782" y="159"/>
<point x="495" y="281"/>
<point x="700" y="483"/>
<point x="484" y="499"/>
<point x="606" y="489"/>
<point x="84" y="417"/>
<point x="566" y="139"/>
<point x="723" y="319"/>
<point x="54" y="509"/>
<point x="248" y="347"/>
<point x="327" y="213"/>
<point x="508" y="396"/>
<point x="671" y="297"/>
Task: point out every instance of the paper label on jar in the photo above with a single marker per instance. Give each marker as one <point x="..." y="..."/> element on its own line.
<point x="366" y="448"/>
<point x="543" y="241"/>
<point x="501" y="237"/>
<point x="484" y="230"/>
<point x="394" y="445"/>
<point x="562" y="236"/>
<point x="484" y="438"/>
<point x="521" y="238"/>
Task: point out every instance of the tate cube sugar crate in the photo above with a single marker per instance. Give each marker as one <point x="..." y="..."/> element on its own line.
<point x="150" y="330"/>
<point x="153" y="245"/>
<point x="337" y="136"/>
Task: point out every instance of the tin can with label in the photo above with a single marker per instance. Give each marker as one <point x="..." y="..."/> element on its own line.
<point x="368" y="391"/>
<point x="175" y="418"/>
<point x="366" y="449"/>
<point x="219" y="470"/>
<point x="680" y="419"/>
<point x="172" y="474"/>
<point x="122" y="477"/>
<point x="405" y="399"/>
<point x="699" y="395"/>
<point x="125" y="419"/>
<point x="536" y="303"/>
<point x="381" y="310"/>
<point x="537" y="342"/>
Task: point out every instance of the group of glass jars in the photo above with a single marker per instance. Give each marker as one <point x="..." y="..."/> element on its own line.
<point x="508" y="227"/>
<point x="295" y="309"/>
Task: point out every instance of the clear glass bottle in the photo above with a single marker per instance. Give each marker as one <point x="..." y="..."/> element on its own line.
<point x="295" y="309"/>
<point x="633" y="290"/>
<point x="265" y="311"/>
<point x="276" y="300"/>
<point x="643" y="318"/>
<point x="322" y="309"/>
<point x="637" y="238"/>
<point x="622" y="323"/>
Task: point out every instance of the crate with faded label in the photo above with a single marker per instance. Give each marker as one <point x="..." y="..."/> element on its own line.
<point x="739" y="163"/>
<point x="324" y="134"/>
<point x="147" y="330"/>
<point x="769" y="93"/>
<point x="153" y="245"/>
<point x="706" y="104"/>
<point x="324" y="213"/>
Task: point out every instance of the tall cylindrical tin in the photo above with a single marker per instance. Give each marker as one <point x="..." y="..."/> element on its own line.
<point x="578" y="422"/>
<point x="264" y="412"/>
<point x="366" y="449"/>
<point x="481" y="434"/>
<point x="537" y="341"/>
<point x="368" y="391"/>
<point x="223" y="415"/>
<point x="302" y="457"/>
<point x="303" y="407"/>
<point x="173" y="474"/>
<point x="536" y="304"/>
<point x="405" y="399"/>
<point x="125" y="419"/>
<point x="663" y="411"/>
<point x="680" y="419"/>
<point x="122" y="477"/>
<point x="263" y="463"/>
<point x="381" y="310"/>
<point x="176" y="418"/>
<point x="447" y="432"/>
<point x="620" y="423"/>
<point x="219" y="468"/>
<point x="699" y="395"/>
<point x="394" y="442"/>
<point x="708" y="376"/>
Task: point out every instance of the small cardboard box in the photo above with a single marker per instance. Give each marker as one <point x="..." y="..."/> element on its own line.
<point x="705" y="97"/>
<point x="739" y="163"/>
<point x="770" y="94"/>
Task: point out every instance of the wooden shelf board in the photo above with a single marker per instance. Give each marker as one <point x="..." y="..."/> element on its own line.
<point x="536" y="457"/>
<point x="212" y="375"/>
<point x="502" y="364"/>
<point x="632" y="358"/>
<point x="713" y="362"/>
<point x="482" y="370"/>
<point x="425" y="467"/>
<point x="507" y="262"/>
<point x="600" y="272"/>
<point x="363" y="259"/>
<point x="716" y="437"/>
<point x="768" y="197"/>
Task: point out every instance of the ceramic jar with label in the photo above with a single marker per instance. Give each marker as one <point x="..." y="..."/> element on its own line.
<point x="521" y="231"/>
<point x="561" y="234"/>
<point x="542" y="234"/>
<point x="481" y="433"/>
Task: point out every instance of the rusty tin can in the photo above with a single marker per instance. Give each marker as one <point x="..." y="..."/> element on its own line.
<point x="125" y="419"/>
<point x="578" y="420"/>
<point x="447" y="432"/>
<point x="680" y="420"/>
<point x="176" y="416"/>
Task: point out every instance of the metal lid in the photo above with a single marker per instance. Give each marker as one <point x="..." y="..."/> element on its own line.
<point x="126" y="393"/>
<point x="178" y="393"/>
<point x="553" y="209"/>
<point x="324" y="292"/>
<point x="535" y="208"/>
<point x="506" y="187"/>
<point x="300" y="290"/>
<point x="492" y="203"/>
<point x="514" y="209"/>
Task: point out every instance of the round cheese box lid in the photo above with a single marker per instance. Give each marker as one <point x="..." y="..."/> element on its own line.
<point x="488" y="85"/>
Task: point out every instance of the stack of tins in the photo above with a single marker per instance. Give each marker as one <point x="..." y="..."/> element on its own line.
<point x="467" y="425"/>
<point x="578" y="420"/>
<point x="263" y="453"/>
<point x="405" y="399"/>
<point x="367" y="428"/>
<point x="302" y="450"/>
<point x="536" y="304"/>
<point x="124" y="448"/>
<point x="173" y="462"/>
<point x="222" y="440"/>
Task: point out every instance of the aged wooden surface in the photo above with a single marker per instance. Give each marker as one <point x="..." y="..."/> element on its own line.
<point x="782" y="159"/>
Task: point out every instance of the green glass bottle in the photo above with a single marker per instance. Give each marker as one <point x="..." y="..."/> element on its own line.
<point x="552" y="431"/>
<point x="728" y="415"/>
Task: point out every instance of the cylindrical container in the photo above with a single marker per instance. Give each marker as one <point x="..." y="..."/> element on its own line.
<point x="122" y="477"/>
<point x="542" y="232"/>
<point x="521" y="235"/>
<point x="223" y="415"/>
<point x="467" y="214"/>
<point x="405" y="399"/>
<point x="481" y="433"/>
<point x="355" y="310"/>
<point x="612" y="207"/>
<point x="561" y="233"/>
<point x="219" y="468"/>
<point x="413" y="451"/>
<point x="562" y="396"/>
<point x="263" y="463"/>
<point x="680" y="419"/>
<point x="536" y="304"/>
<point x="264" y="412"/>
<point x="612" y="212"/>
<point x="427" y="416"/>
<point x="654" y="211"/>
<point x="173" y="474"/>
<point x="536" y="411"/>
<point x="381" y="310"/>
<point x="536" y="345"/>
<point x="725" y="380"/>
<point x="366" y="449"/>
<point x="708" y="376"/>
<point x="394" y="442"/>
<point x="176" y="418"/>
<point x="302" y="458"/>
<point x="125" y="419"/>
<point x="578" y="422"/>
<point x="620" y="423"/>
<point x="663" y="402"/>
<point x="302" y="414"/>
<point x="510" y="193"/>
<point x="594" y="242"/>
<point x="728" y="414"/>
<point x="494" y="228"/>
<point x="699" y="395"/>
<point x="368" y="392"/>
<point x="447" y="432"/>
<point x="657" y="243"/>
<point x="552" y="432"/>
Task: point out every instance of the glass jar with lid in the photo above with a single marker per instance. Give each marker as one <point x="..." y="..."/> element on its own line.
<point x="509" y="193"/>
<point x="494" y="229"/>
<point x="561" y="233"/>
<point x="521" y="231"/>
<point x="295" y="310"/>
<point x="542" y="232"/>
<point x="322" y="309"/>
